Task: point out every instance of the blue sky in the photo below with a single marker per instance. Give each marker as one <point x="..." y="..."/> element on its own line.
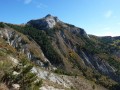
<point x="97" y="17"/>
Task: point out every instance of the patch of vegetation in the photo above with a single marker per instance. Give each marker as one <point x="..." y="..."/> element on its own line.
<point x="5" y="67"/>
<point x="63" y="72"/>
<point x="114" y="63"/>
<point x="106" y="40"/>
<point x="24" y="77"/>
<point x="2" y="25"/>
<point x="93" y="87"/>
<point x="115" y="87"/>
<point x="2" y="53"/>
<point x="98" y="78"/>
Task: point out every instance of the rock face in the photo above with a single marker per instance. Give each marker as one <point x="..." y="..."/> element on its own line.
<point x="16" y="41"/>
<point x="22" y="44"/>
<point x="102" y="66"/>
<point x="99" y="64"/>
<point x="47" y="22"/>
<point x="75" y="30"/>
<point x="65" y="82"/>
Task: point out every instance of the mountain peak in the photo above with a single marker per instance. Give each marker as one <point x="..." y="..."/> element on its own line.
<point x="49" y="15"/>
<point x="54" y="18"/>
<point x="46" y="22"/>
<point x="49" y="21"/>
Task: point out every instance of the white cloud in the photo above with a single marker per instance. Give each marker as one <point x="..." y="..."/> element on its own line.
<point x="27" y="1"/>
<point x="108" y="14"/>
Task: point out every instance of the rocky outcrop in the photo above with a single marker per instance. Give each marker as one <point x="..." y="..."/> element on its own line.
<point x="47" y="22"/>
<point x="77" y="31"/>
<point x="15" y="40"/>
<point x="100" y="65"/>
<point x="46" y="75"/>
<point x="23" y="45"/>
<point x="65" y="82"/>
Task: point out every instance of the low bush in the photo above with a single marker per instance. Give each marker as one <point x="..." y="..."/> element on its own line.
<point x="24" y="77"/>
<point x="2" y="25"/>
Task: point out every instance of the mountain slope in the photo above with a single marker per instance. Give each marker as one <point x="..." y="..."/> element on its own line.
<point x="66" y="50"/>
<point x="12" y="51"/>
<point x="73" y="43"/>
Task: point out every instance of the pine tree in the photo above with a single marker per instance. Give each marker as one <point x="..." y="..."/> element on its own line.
<point x="25" y="78"/>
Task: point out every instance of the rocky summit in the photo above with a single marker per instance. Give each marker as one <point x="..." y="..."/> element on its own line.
<point x="49" y="54"/>
<point x="47" y="22"/>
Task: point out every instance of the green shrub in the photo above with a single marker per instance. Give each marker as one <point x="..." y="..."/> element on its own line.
<point x="62" y="72"/>
<point x="5" y="67"/>
<point x="93" y="86"/>
<point x="25" y="78"/>
<point x="2" y="25"/>
<point x="115" y="87"/>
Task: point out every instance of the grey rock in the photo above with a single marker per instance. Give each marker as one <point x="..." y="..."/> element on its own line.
<point x="47" y="22"/>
